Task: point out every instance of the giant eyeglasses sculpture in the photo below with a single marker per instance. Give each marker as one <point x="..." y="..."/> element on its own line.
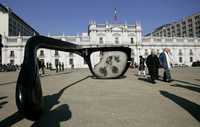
<point x="113" y="63"/>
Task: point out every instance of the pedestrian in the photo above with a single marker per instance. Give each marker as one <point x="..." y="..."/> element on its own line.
<point x="141" y="66"/>
<point x="47" y="65"/>
<point x="50" y="66"/>
<point x="62" y="66"/>
<point x="59" y="66"/>
<point x="166" y="61"/>
<point x="56" y="67"/>
<point x="153" y="64"/>
<point x="43" y="67"/>
<point x="72" y="66"/>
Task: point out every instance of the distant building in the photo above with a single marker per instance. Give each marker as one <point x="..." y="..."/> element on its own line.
<point x="13" y="25"/>
<point x="184" y="50"/>
<point x="187" y="27"/>
<point x="97" y="35"/>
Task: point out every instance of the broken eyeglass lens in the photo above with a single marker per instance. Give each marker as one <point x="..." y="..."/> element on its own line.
<point x="108" y="64"/>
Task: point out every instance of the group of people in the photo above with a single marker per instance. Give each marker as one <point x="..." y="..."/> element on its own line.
<point x="9" y="67"/>
<point x="153" y="63"/>
<point x="59" y="66"/>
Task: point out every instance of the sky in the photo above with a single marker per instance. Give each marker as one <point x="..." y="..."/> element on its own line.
<point x="71" y="17"/>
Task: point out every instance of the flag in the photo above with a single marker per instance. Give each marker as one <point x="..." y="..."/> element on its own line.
<point x="115" y="15"/>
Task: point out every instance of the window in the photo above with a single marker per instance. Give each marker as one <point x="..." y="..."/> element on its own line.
<point x="173" y="33"/>
<point x="183" y="23"/>
<point x="191" y="52"/>
<point x="84" y="61"/>
<point x="132" y="60"/>
<point x="178" y="30"/>
<point x="180" y="52"/>
<point x="56" y="53"/>
<point x="164" y="31"/>
<point x="190" y="27"/>
<point x="197" y="17"/>
<point x="180" y="59"/>
<point x="12" y="54"/>
<point x="132" y="41"/>
<point x="191" y="59"/>
<point x="41" y="52"/>
<point x="100" y="40"/>
<point x="132" y="52"/>
<point x="100" y="54"/>
<point x="116" y="40"/>
<point x="71" y="54"/>
<point x="184" y="33"/>
<point x="161" y="34"/>
<point x="178" y="34"/>
<point x="12" y="62"/>
<point x="71" y="61"/>
<point x="158" y="52"/>
<point x="168" y="34"/>
<point x="56" y="62"/>
<point x="189" y="20"/>
<point x="191" y="35"/>
<point x="146" y="52"/>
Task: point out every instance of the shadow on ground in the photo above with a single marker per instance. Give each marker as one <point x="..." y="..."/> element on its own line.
<point x="55" y="74"/>
<point x="3" y="102"/>
<point x="186" y="82"/>
<point x="189" y="106"/>
<point x="197" y="79"/>
<point x="11" y="120"/>
<point x="121" y="77"/>
<point x="195" y="89"/>
<point x="50" y="117"/>
<point x="42" y="76"/>
<point x="7" y="83"/>
<point x="146" y="80"/>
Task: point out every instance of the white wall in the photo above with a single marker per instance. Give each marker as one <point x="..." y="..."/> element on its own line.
<point x="4" y="23"/>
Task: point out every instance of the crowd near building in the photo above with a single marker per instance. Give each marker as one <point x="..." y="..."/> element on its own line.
<point x="184" y="44"/>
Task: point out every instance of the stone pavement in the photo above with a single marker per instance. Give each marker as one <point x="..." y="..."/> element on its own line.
<point x="75" y="99"/>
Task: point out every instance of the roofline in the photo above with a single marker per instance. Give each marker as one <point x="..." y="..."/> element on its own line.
<point x="24" y="22"/>
<point x="2" y="6"/>
<point x="174" y="22"/>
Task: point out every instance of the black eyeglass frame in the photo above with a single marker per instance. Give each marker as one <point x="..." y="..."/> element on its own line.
<point x="28" y="88"/>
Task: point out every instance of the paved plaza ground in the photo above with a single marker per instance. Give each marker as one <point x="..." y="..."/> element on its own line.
<point x="75" y="99"/>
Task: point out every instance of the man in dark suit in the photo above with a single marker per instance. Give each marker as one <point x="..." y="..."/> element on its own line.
<point x="153" y="64"/>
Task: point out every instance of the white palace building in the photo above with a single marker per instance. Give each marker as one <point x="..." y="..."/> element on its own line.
<point x="185" y="50"/>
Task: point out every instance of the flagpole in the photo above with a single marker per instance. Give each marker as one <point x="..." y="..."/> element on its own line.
<point x="115" y="18"/>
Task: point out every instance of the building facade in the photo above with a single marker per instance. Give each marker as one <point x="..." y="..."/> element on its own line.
<point x="13" y="25"/>
<point x="187" y="27"/>
<point x="181" y="37"/>
<point x="185" y="50"/>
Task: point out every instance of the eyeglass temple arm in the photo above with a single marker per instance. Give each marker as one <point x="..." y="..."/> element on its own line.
<point x="28" y="89"/>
